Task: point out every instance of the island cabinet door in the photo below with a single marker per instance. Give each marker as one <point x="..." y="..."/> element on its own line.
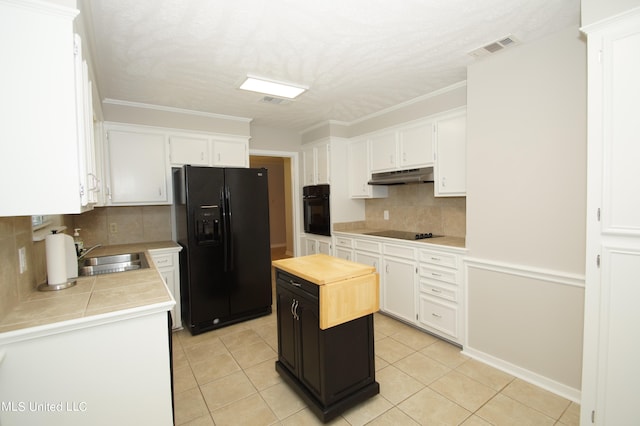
<point x="287" y="330"/>
<point x="311" y="356"/>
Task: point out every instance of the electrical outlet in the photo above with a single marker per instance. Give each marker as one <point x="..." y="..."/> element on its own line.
<point x="22" y="256"/>
<point x="386" y="215"/>
<point x="113" y="228"/>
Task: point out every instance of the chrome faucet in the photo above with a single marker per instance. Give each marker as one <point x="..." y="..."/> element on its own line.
<point x="87" y="251"/>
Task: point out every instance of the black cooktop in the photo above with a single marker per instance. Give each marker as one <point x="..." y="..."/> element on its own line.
<point x="402" y="235"/>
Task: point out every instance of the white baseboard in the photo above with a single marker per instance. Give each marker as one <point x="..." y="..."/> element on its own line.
<point x="526" y="375"/>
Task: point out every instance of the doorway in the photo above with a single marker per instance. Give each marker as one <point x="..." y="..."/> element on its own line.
<point x="281" y="210"/>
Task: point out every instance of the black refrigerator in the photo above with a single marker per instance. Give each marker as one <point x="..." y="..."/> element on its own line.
<point x="222" y="223"/>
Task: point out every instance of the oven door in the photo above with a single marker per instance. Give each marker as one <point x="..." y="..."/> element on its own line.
<point x="316" y="215"/>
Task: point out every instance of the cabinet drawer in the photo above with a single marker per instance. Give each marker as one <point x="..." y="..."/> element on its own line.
<point x="344" y="242"/>
<point x="399" y="251"/>
<point x="438" y="289"/>
<point x="296" y="284"/>
<point x="438" y="258"/>
<point x="438" y="315"/>
<point x="367" y="245"/>
<point x="163" y="260"/>
<point x="445" y="275"/>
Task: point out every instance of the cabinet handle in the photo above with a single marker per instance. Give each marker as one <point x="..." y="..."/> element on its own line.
<point x="434" y="274"/>
<point x="437" y="259"/>
<point x="433" y="314"/>
<point x="294" y="310"/>
<point x="435" y="290"/>
<point x="293" y="283"/>
<point x="444" y="182"/>
<point x="386" y="268"/>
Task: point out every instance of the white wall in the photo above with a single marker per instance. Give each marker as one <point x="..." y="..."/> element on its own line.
<point x="526" y="185"/>
<point x="595" y="10"/>
<point x="269" y="138"/>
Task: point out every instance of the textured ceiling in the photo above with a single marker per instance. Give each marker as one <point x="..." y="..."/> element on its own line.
<point x="357" y="56"/>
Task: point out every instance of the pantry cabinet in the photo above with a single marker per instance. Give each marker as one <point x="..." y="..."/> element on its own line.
<point x="137" y="167"/>
<point x="41" y="158"/>
<point x="611" y="371"/>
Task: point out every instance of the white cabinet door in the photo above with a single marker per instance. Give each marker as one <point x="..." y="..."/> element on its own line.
<point x="112" y="365"/>
<point x="323" y="163"/>
<point x="399" y="288"/>
<point x="230" y="153"/>
<point x="344" y="253"/>
<point x="137" y="168"/>
<point x="451" y="156"/>
<point x="316" y="163"/>
<point x="416" y="146"/>
<point x="39" y="150"/>
<point x="384" y="152"/>
<point x="189" y="150"/>
<point x="168" y="263"/>
<point x="359" y="172"/>
<point x="611" y="372"/>
<point x="358" y="168"/>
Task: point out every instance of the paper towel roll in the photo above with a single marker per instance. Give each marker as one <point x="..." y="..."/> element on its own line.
<point x="56" y="259"/>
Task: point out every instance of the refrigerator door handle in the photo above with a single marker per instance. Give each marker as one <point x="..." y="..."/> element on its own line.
<point x="228" y="237"/>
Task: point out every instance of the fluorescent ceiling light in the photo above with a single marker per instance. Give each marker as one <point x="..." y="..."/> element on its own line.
<point x="270" y="87"/>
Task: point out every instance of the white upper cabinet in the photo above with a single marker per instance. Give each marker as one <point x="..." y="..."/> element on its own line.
<point x="406" y="147"/>
<point x="360" y="172"/>
<point x="384" y="151"/>
<point x="138" y="168"/>
<point x="230" y="152"/>
<point x="189" y="150"/>
<point x="39" y="151"/>
<point x="316" y="163"/>
<point x="451" y="156"/>
<point x="416" y="146"/>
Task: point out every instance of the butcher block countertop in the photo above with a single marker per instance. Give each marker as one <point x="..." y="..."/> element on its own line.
<point x="322" y="269"/>
<point x="348" y="290"/>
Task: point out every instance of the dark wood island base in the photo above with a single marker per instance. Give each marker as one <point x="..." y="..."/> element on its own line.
<point x="327" y="413"/>
<point x="325" y="331"/>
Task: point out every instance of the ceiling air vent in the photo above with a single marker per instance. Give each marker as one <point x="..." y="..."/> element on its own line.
<point x="274" y="100"/>
<point x="494" y="47"/>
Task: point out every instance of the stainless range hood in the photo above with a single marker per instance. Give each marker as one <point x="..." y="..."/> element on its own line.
<point x="398" y="177"/>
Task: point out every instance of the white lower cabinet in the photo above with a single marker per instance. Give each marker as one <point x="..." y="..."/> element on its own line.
<point x="439" y="308"/>
<point x="344" y="248"/>
<point x="315" y="244"/>
<point x="419" y="283"/>
<point x="104" y="372"/>
<point x="398" y="295"/>
<point x="168" y="263"/>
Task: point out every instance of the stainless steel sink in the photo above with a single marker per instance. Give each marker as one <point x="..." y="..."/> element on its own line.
<point x="114" y="263"/>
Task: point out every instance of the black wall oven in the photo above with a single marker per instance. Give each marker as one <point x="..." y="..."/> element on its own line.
<point x="315" y="202"/>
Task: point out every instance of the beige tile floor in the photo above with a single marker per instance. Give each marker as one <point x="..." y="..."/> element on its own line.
<point x="227" y="377"/>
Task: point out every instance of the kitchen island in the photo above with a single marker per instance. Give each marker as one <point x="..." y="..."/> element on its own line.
<point x="94" y="353"/>
<point x="325" y="309"/>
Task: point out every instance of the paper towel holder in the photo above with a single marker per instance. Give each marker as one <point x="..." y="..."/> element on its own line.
<point x="55" y="287"/>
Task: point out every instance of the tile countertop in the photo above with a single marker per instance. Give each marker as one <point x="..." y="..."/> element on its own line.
<point x="99" y="295"/>
<point x="456" y="242"/>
